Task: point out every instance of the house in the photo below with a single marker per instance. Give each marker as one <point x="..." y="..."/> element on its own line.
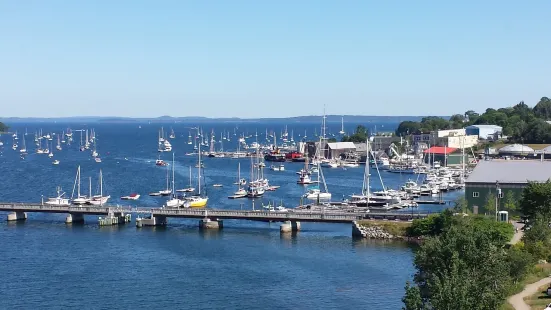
<point x="335" y="149"/>
<point x="455" y="138"/>
<point x="445" y="155"/>
<point x="507" y="178"/>
<point x="486" y="132"/>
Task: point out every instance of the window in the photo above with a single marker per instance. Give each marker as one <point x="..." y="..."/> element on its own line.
<point x="476" y="194"/>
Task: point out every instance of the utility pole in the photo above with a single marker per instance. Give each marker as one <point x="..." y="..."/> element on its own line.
<point x="498" y="193"/>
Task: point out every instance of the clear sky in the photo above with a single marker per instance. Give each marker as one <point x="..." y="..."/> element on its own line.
<point x="271" y="58"/>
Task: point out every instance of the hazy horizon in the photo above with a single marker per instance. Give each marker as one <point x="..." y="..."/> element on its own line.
<point x="253" y="59"/>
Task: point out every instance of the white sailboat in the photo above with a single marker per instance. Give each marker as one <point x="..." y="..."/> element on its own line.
<point x="99" y="200"/>
<point x="342" y="126"/>
<point x="241" y="192"/>
<point x="166" y="191"/>
<point x="174" y="202"/>
<point x="58" y="147"/>
<point x="78" y="199"/>
<point x="316" y="193"/>
<point x="190" y="188"/>
<point x="172" y="134"/>
<point x="201" y="199"/>
<point x="189" y="139"/>
<point x="23" y="150"/>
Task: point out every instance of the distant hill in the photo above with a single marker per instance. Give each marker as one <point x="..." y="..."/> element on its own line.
<point x="198" y="119"/>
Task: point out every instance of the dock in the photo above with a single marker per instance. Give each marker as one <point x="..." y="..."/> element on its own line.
<point x="208" y="218"/>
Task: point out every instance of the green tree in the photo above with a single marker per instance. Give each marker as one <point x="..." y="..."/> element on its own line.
<point x="463" y="268"/>
<point x="359" y="136"/>
<point x="510" y="202"/>
<point x="536" y="201"/>
<point x="537" y="239"/>
<point x="408" y="128"/>
<point x="3" y="127"/>
<point x="490" y="204"/>
<point x="460" y="205"/>
<point x="543" y="108"/>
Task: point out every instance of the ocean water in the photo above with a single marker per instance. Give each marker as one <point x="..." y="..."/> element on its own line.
<point x="247" y="265"/>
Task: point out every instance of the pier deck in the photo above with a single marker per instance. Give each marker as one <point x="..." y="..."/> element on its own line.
<point x="332" y="216"/>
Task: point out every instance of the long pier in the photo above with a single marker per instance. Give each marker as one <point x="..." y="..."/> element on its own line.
<point x="208" y="218"/>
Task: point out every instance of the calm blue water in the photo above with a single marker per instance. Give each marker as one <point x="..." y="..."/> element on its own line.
<point x="47" y="264"/>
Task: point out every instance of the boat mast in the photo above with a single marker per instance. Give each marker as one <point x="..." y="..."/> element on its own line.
<point x="365" y="187"/>
<point x="100" y="188"/>
<point x="238" y="176"/>
<point x="199" y="172"/>
<point x="190" y="185"/>
<point x="90" y="187"/>
<point x="173" y="184"/>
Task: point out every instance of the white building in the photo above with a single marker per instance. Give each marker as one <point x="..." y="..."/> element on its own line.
<point x="334" y="149"/>
<point x="487" y="132"/>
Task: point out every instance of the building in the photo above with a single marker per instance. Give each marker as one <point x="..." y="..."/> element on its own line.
<point x="459" y="142"/>
<point x="516" y="150"/>
<point x="455" y="138"/>
<point x="382" y="142"/>
<point x="486" y="132"/>
<point x="509" y="177"/>
<point x="450" y="132"/>
<point x="335" y="149"/>
<point x="444" y="155"/>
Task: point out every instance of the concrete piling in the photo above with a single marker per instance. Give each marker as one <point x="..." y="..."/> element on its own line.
<point x="17" y="216"/>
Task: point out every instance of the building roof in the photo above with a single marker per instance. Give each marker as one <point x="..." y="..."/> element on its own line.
<point x="516" y="149"/>
<point x="485" y="127"/>
<point x="341" y="145"/>
<point x="440" y="150"/>
<point x="510" y="171"/>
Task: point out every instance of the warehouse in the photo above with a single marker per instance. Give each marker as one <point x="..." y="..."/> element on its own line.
<point x="509" y="177"/>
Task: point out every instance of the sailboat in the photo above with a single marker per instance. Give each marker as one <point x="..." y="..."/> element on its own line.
<point x="166" y="191"/>
<point x="51" y="153"/>
<point x="23" y="150"/>
<point x="99" y="200"/>
<point x="200" y="200"/>
<point x="58" y="147"/>
<point x="174" y="202"/>
<point x="257" y="185"/>
<point x="190" y="188"/>
<point x="172" y="134"/>
<point x="241" y="192"/>
<point x="78" y="199"/>
<point x="342" y="126"/>
<point x="315" y="192"/>
<point x="189" y="139"/>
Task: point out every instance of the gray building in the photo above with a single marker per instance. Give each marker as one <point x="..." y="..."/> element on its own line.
<point x="509" y="176"/>
<point x="486" y="132"/>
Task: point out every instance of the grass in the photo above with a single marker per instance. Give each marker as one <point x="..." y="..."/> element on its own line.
<point x="396" y="228"/>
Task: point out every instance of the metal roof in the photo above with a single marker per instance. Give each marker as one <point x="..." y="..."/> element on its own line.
<point x="485" y="126"/>
<point x="341" y="145"/>
<point x="516" y="148"/>
<point x="510" y="171"/>
<point x="441" y="150"/>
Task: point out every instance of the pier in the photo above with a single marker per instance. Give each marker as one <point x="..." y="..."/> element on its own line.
<point x="208" y="218"/>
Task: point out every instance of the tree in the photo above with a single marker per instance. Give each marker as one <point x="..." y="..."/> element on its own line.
<point x="359" y="136"/>
<point x="457" y="121"/>
<point x="510" y="202"/>
<point x="408" y="128"/>
<point x="543" y="108"/>
<point x="460" y="205"/>
<point x="537" y="240"/>
<point x="3" y="127"/>
<point x="490" y="204"/>
<point x="536" y="201"/>
<point x="463" y="268"/>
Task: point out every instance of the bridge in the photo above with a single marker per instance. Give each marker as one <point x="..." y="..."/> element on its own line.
<point x="209" y="218"/>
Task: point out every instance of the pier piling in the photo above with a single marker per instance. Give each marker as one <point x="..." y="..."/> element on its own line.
<point x="152" y="221"/>
<point x="289" y="226"/>
<point x="17" y="216"/>
<point x="207" y="223"/>
<point x="74" y="218"/>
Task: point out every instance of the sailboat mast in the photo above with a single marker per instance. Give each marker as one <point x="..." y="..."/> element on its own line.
<point x="90" y="187"/>
<point x="190" y="177"/>
<point x="238" y="176"/>
<point x="199" y="172"/>
<point x="100" y="188"/>
<point x="78" y="174"/>
<point x="173" y="184"/>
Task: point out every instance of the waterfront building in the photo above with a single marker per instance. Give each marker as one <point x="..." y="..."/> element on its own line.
<point x="335" y="149"/>
<point x="445" y="155"/>
<point x="454" y="138"/>
<point x="504" y="179"/>
<point x="485" y="132"/>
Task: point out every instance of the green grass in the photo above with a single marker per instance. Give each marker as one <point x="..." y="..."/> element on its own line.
<point x="396" y="228"/>
<point x="538" y="300"/>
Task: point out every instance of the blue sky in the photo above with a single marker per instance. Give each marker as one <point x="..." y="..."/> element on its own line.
<point x="271" y="58"/>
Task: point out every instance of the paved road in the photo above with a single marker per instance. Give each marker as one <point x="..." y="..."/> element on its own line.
<point x="517" y="301"/>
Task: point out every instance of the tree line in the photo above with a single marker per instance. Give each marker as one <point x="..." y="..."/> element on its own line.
<point x="465" y="261"/>
<point x="520" y="123"/>
<point x="3" y="127"/>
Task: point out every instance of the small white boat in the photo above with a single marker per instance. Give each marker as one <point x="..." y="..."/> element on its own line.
<point x="55" y="162"/>
<point x="217" y="185"/>
<point x="133" y="196"/>
<point x="97" y="159"/>
<point x="315" y="193"/>
<point x="278" y="168"/>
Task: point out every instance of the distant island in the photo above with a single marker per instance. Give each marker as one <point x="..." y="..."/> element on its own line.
<point x="356" y="119"/>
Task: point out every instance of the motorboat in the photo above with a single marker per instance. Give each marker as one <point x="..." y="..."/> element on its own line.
<point x="133" y="196"/>
<point x="277" y="168"/>
<point x="59" y="200"/>
<point x="55" y="162"/>
<point x="304" y="179"/>
<point x="315" y="194"/>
